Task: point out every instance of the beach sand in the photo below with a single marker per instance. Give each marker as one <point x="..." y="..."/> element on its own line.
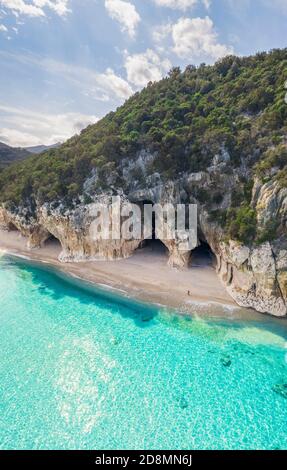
<point x="145" y="276"/>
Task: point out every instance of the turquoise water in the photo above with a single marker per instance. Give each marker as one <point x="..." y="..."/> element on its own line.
<point x="81" y="369"/>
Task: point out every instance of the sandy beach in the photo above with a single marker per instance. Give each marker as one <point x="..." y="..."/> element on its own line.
<point x="145" y="276"/>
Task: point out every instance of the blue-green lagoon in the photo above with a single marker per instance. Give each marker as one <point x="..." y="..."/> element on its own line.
<point x="83" y="368"/>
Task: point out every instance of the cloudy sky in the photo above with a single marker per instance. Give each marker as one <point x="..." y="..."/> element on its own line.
<point x="66" y="63"/>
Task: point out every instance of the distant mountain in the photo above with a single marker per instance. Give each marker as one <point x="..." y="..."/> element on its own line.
<point x="42" y="148"/>
<point x="9" y="155"/>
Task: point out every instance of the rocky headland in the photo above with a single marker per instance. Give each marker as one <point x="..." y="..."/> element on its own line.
<point x="189" y="139"/>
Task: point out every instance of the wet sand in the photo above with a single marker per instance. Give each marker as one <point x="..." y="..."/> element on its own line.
<point x="145" y="275"/>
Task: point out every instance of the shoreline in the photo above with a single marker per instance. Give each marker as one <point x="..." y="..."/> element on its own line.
<point x="145" y="277"/>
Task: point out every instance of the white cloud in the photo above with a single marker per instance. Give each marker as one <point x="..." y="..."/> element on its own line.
<point x="182" y="4"/>
<point x="192" y="39"/>
<point x="196" y="38"/>
<point x="36" y="8"/>
<point x="3" y="28"/>
<point x="125" y="13"/>
<point x="115" y="84"/>
<point x="145" y="67"/>
<point x="23" y="127"/>
<point x="177" y="4"/>
<point x="58" y="6"/>
<point x="161" y="32"/>
<point x="102" y="86"/>
<point x="21" y="7"/>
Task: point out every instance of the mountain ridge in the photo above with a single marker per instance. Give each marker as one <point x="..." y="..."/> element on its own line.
<point x="9" y="155"/>
<point x="41" y="148"/>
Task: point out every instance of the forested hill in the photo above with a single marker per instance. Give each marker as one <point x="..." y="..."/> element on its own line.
<point x="235" y="106"/>
<point x="9" y="155"/>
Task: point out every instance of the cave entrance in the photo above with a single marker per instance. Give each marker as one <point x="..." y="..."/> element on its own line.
<point x="152" y="246"/>
<point x="52" y="243"/>
<point x="12" y="227"/>
<point x="203" y="256"/>
<point x="14" y="231"/>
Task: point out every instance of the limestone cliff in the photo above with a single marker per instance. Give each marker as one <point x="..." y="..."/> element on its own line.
<point x="254" y="275"/>
<point x="214" y="136"/>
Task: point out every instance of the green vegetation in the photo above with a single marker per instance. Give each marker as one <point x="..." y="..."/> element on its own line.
<point x="268" y="234"/>
<point x="274" y="159"/>
<point x="241" y="224"/>
<point x="185" y="119"/>
<point x="9" y="155"/>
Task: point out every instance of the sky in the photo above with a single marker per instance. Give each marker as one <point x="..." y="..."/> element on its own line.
<point x="65" y="63"/>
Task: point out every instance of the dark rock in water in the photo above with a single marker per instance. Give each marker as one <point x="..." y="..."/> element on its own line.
<point x="183" y="404"/>
<point x="146" y="318"/>
<point x="280" y="389"/>
<point x="226" y="361"/>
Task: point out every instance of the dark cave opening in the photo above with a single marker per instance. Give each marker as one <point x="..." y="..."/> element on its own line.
<point x="12" y="227"/>
<point x="52" y="242"/>
<point x="154" y="246"/>
<point x="151" y="245"/>
<point x="203" y="256"/>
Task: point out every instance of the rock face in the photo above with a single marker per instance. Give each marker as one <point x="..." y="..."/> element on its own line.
<point x="72" y="229"/>
<point x="76" y="232"/>
<point x="252" y="276"/>
<point x="255" y="276"/>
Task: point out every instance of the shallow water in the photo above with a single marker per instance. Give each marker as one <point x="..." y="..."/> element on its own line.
<point x="85" y="369"/>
